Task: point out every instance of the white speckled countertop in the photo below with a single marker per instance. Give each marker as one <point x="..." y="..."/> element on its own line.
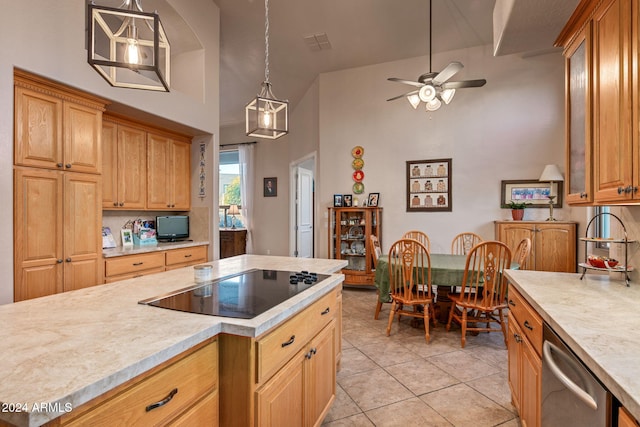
<point x="161" y="246"/>
<point x="598" y="318"/>
<point x="70" y="348"/>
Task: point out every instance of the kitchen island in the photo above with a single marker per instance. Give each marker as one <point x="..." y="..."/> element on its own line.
<point x="64" y="350"/>
<point x="598" y="318"/>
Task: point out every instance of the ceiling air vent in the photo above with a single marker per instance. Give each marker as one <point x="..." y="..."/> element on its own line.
<point x="318" y="41"/>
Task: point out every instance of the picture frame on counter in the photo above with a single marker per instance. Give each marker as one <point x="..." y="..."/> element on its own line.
<point x="429" y="185"/>
<point x="373" y="199"/>
<point x="127" y="237"/>
<point x="532" y="192"/>
<point x="337" y="200"/>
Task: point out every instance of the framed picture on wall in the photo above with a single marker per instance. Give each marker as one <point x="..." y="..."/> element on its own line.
<point x="270" y="187"/>
<point x="429" y="185"/>
<point x="531" y="191"/>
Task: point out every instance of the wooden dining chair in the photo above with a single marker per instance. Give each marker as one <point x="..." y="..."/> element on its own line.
<point x="481" y="300"/>
<point x="410" y="283"/>
<point x="420" y="236"/>
<point x="521" y="253"/>
<point x="376" y="251"/>
<point x="463" y="242"/>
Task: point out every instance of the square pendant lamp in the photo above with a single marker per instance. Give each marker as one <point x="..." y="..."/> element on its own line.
<point x="129" y="47"/>
<point x="266" y="116"/>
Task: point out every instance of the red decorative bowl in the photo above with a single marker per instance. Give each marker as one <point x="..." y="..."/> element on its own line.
<point x="595" y="261"/>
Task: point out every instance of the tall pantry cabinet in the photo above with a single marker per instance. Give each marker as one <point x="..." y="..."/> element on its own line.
<point x="57" y="188"/>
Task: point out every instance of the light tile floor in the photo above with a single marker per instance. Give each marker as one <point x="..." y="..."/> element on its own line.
<point x="401" y="380"/>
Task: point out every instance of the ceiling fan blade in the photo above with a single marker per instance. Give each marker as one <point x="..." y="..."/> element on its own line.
<point x="464" y="83"/>
<point x="407" y="82"/>
<point x="447" y="73"/>
<point x="413" y="92"/>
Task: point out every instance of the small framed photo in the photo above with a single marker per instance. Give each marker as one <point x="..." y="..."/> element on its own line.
<point x="373" y="199"/>
<point x="127" y="237"/>
<point x="337" y="200"/>
<point x="270" y="187"/>
<point x="347" y="200"/>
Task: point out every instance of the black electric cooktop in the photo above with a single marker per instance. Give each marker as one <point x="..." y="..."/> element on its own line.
<point x="244" y="295"/>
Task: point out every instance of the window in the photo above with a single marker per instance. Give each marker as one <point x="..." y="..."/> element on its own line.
<point x="602" y="226"/>
<point x="229" y="191"/>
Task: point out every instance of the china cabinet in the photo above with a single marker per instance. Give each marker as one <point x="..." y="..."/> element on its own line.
<point x="349" y="232"/>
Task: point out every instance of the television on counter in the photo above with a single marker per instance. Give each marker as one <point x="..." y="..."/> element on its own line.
<point x="172" y="228"/>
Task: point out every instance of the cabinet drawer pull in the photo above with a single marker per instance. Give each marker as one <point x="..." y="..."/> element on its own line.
<point x="517" y="338"/>
<point x="59" y="261"/>
<point x="163" y="401"/>
<point x="511" y="303"/>
<point x="68" y="166"/>
<point x="326" y="311"/>
<point x="291" y="340"/>
<point x="59" y="165"/>
<point x="620" y="190"/>
<point x="138" y="263"/>
<point x="528" y="325"/>
<point x="188" y="256"/>
<point x="68" y="259"/>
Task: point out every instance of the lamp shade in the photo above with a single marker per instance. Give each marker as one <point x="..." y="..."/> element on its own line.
<point x="129" y="48"/>
<point x="551" y="173"/>
<point x="233" y="210"/>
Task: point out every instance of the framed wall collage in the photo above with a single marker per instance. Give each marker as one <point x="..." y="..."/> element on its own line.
<point x="429" y="185"/>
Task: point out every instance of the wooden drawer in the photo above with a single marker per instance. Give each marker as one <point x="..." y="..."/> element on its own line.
<point x="111" y="279"/>
<point x="203" y="413"/>
<point x="530" y="322"/>
<point x="194" y="376"/>
<point x="186" y="256"/>
<point x="278" y="347"/>
<point x="133" y="263"/>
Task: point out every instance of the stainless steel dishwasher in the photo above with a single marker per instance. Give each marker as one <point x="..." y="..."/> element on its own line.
<point x="571" y="395"/>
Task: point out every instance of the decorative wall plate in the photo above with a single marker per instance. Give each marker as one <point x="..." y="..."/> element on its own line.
<point x="357" y="151"/>
<point x="356" y="232"/>
<point x="357" y="164"/>
<point x="358" y="188"/>
<point x="358" y="176"/>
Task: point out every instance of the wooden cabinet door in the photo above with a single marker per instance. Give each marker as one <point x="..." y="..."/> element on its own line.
<point x="82" y="135"/>
<point x="158" y="172"/>
<point x="132" y="167"/>
<point x="82" y="231"/>
<point x="38" y="240"/>
<point x="579" y="183"/>
<point x="514" y="353"/>
<point x="320" y="371"/>
<point x="109" y="165"/>
<point x="531" y="378"/>
<point x="555" y="247"/>
<point x="181" y="171"/>
<point x="512" y="234"/>
<point x="280" y="402"/>
<point x="38" y="129"/>
<point x="613" y="154"/>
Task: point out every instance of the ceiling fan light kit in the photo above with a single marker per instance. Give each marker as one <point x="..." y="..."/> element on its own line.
<point x="266" y="116"/>
<point x="434" y="88"/>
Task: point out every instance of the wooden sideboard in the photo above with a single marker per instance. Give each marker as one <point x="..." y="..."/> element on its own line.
<point x="233" y="242"/>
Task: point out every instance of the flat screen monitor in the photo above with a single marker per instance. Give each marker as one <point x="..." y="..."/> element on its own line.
<point x="173" y="227"/>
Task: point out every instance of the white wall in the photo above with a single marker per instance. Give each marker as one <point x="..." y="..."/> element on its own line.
<point x="48" y="38"/>
<point x="508" y="129"/>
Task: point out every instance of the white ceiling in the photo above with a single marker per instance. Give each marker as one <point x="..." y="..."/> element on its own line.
<point x="361" y="32"/>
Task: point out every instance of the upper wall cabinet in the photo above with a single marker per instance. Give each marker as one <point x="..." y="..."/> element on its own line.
<point x="144" y="168"/>
<point x="124" y="159"/>
<point x="601" y="46"/>
<point x="168" y="173"/>
<point x="54" y="128"/>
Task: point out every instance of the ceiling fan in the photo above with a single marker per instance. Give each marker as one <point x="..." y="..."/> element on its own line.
<point x="434" y="88"/>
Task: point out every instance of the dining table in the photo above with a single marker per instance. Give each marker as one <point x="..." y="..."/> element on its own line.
<point x="447" y="272"/>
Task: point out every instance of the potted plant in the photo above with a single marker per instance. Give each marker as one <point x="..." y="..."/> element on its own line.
<point x="517" y="209"/>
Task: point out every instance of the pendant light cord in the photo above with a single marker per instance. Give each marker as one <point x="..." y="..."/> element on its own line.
<point x="266" y="41"/>
<point x="430" y="35"/>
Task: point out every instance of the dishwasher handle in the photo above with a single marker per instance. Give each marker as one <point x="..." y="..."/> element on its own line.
<point x="547" y="347"/>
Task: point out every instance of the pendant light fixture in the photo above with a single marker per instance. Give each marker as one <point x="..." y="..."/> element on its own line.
<point x="266" y="116"/>
<point x="129" y="47"/>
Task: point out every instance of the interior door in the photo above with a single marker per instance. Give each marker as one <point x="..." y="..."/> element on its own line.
<point x="304" y="213"/>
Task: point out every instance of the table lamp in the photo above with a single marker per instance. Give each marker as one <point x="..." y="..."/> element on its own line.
<point x="233" y="211"/>
<point x="551" y="174"/>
